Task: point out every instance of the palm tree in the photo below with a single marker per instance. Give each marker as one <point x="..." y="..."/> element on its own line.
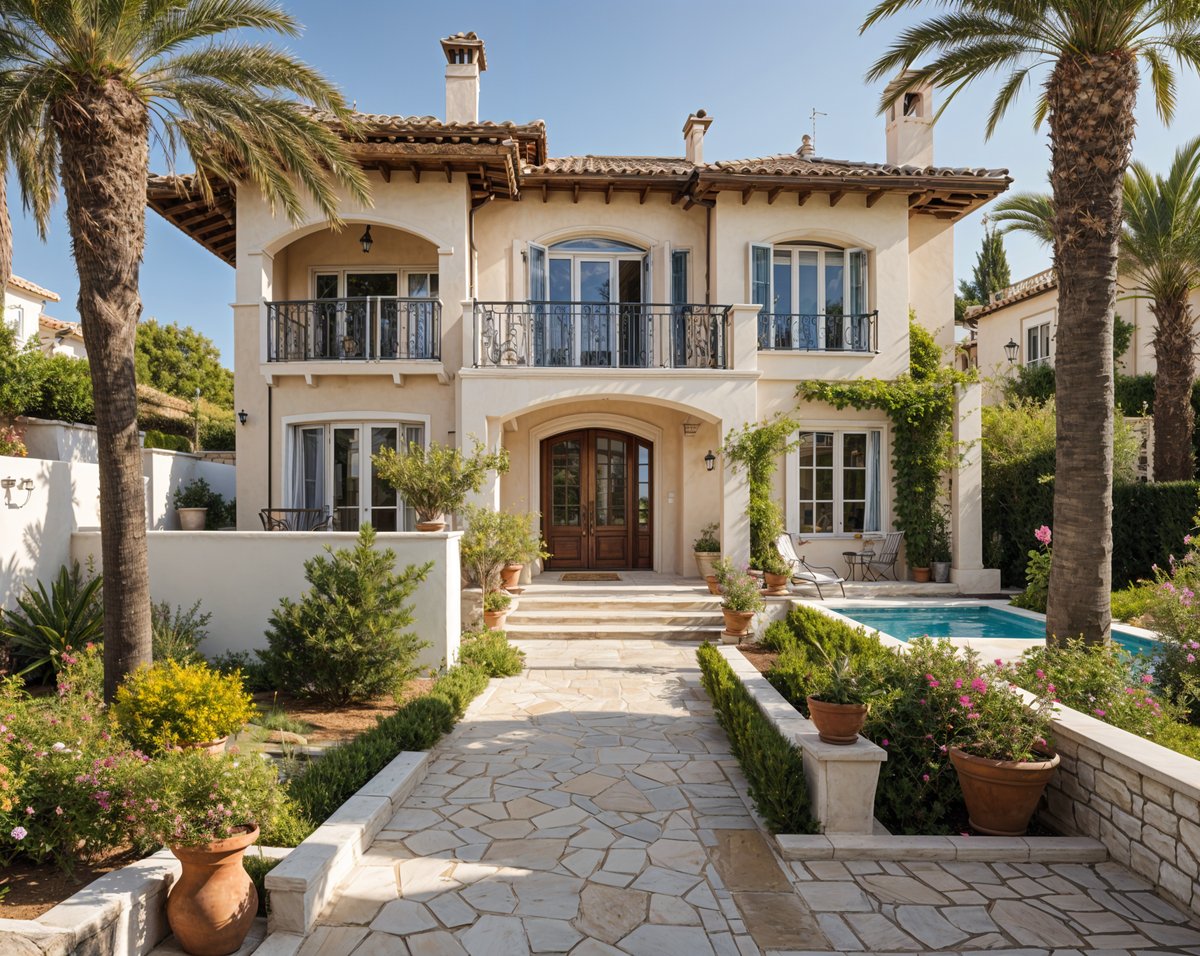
<point x="1160" y="253"/>
<point x="1093" y="49"/>
<point x="84" y="85"/>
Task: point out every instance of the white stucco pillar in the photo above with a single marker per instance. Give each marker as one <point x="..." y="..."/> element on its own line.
<point x="966" y="497"/>
<point x="743" y="344"/>
<point x="735" y="524"/>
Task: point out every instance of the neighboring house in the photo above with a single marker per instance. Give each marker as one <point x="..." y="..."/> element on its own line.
<point x="583" y="312"/>
<point x="1025" y="314"/>
<point x="24" y="310"/>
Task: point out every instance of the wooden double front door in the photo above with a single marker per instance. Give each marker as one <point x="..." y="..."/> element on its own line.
<point x="597" y="500"/>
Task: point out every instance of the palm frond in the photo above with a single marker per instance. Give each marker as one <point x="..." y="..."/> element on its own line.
<point x="1028" y="213"/>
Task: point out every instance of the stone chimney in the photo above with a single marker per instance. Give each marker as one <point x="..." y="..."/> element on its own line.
<point x="909" y="127"/>
<point x="806" y="147"/>
<point x="693" y="136"/>
<point x="465" y="60"/>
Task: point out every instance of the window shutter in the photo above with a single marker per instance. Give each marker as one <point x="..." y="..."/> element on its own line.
<point x="537" y="273"/>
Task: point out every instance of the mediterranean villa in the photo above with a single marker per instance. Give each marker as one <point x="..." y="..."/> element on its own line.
<point x="606" y="319"/>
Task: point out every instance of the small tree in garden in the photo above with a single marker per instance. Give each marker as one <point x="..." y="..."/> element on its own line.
<point x="495" y="538"/>
<point x="436" y="481"/>
<point x="345" y="641"/>
<point x="756" y="449"/>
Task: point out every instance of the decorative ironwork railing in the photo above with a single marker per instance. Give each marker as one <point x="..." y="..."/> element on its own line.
<point x="601" y="335"/>
<point x="360" y="329"/>
<point x="780" y="331"/>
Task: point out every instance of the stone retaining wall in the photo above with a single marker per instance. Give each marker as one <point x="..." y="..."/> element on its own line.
<point x="1140" y="800"/>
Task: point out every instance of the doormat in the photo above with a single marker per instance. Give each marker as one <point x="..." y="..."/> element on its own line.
<point x="590" y="576"/>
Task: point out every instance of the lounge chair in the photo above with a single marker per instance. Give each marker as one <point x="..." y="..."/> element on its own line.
<point x="804" y="573"/>
<point x="884" y="562"/>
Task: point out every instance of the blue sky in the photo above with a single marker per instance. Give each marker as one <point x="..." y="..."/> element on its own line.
<point x="613" y="77"/>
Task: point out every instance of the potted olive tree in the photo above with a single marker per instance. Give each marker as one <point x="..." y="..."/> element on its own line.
<point x="707" y="550"/>
<point x="435" y="481"/>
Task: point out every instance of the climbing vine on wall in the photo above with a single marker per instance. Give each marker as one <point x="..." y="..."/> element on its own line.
<point x="757" y="449"/>
<point x="920" y="405"/>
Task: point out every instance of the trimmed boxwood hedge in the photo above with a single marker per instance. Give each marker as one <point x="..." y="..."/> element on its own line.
<point x="774" y="767"/>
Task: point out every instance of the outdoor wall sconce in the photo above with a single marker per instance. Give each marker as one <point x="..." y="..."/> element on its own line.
<point x="7" y="483"/>
<point x="25" y="485"/>
<point x="710" y="461"/>
<point x="242" y="416"/>
<point x="1011" y="351"/>
<point x="366" y="240"/>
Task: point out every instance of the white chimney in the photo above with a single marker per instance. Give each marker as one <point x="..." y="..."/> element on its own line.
<point x="909" y="127"/>
<point x="694" y="129"/>
<point x="465" y="60"/>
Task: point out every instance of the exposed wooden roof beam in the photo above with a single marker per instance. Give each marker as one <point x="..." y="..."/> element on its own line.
<point x="416" y="171"/>
<point x="545" y="193"/>
<point x="576" y="192"/>
<point x="645" y="193"/>
<point x="773" y="195"/>
<point x="746" y="194"/>
<point x="608" y="194"/>
<point x="836" y="197"/>
<point x="802" y="196"/>
<point x="914" y="198"/>
<point x="874" y="197"/>
<point x="449" y="172"/>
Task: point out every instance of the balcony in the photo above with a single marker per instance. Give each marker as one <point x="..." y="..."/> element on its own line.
<point x="781" y="332"/>
<point x="633" y="335"/>
<point x="373" y="328"/>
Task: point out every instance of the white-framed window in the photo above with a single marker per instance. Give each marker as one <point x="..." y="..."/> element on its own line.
<point x="839" y="474"/>
<point x="330" y="467"/>
<point x="813" y="296"/>
<point x="1037" y="344"/>
<point x="337" y="283"/>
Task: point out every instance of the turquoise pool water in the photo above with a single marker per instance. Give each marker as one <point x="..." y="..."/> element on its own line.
<point x="905" y="623"/>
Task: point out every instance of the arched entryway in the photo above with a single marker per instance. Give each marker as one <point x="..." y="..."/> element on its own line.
<point x="597" y="500"/>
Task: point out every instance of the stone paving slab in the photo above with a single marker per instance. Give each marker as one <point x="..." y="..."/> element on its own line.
<point x="591" y="806"/>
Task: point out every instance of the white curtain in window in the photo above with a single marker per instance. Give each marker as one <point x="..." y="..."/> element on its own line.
<point x="308" y="468"/>
<point x="871" y="519"/>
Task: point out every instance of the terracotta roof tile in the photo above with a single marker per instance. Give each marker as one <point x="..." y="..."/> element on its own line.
<point x="789" y="164"/>
<point x="27" y="286"/>
<point x="388" y="122"/>
<point x="58" y="325"/>
<point x="614" y="166"/>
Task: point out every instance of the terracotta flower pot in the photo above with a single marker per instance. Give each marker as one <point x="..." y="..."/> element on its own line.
<point x="705" y="561"/>
<point x="837" y="723"/>
<point x="510" y="577"/>
<point x="775" y="583"/>
<point x="212" y="906"/>
<point x="737" y="623"/>
<point x="920" y="575"/>
<point x="495" y="619"/>
<point x="1001" y="795"/>
<point x="711" y="581"/>
<point x="438" y="524"/>
<point x="208" y="746"/>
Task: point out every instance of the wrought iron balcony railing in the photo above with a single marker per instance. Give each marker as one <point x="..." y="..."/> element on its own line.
<point x="359" y="329"/>
<point x="601" y="335"/>
<point x="779" y="331"/>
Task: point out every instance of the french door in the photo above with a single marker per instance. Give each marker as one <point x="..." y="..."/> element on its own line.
<point x="597" y="500"/>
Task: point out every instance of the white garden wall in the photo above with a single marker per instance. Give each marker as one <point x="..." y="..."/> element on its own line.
<point x="239" y="576"/>
<point x="167" y="471"/>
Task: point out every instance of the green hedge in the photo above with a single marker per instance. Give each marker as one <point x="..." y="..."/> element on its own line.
<point x="157" y="439"/>
<point x="1149" y="522"/>
<point x="773" y="766"/>
<point x="331" y="780"/>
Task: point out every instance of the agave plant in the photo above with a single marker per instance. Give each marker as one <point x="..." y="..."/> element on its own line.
<point x="47" y="626"/>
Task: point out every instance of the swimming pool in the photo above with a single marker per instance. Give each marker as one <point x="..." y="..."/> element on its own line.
<point x="979" y="621"/>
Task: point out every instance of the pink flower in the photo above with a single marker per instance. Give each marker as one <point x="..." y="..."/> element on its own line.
<point x="1043" y="535"/>
<point x="885" y="742"/>
<point x="979" y="685"/>
<point x="58" y="811"/>
<point x="1041" y="674"/>
<point x="1050" y="689"/>
<point x="925" y="777"/>
<point x="965" y="701"/>
<point x="1191" y="658"/>
<point x="1147" y="679"/>
<point x="19" y="833"/>
<point x="29" y="811"/>
<point x="1099" y="712"/>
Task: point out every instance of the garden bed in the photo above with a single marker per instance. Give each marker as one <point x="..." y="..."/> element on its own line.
<point x="30" y="889"/>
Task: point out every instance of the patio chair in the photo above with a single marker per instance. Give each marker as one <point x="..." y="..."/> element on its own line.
<point x="885" y="561"/>
<point x="804" y="573"/>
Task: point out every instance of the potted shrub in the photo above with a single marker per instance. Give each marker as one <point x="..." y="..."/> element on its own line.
<point x="496" y="545"/>
<point x="838" y="708"/>
<point x="172" y="705"/>
<point x="707" y="550"/>
<point x="1004" y="767"/>
<point x="776" y="572"/>
<point x="192" y="502"/>
<point x="918" y="543"/>
<point x="742" y="600"/>
<point x="522" y="546"/>
<point x="496" y="606"/>
<point x="940" y="549"/>
<point x="435" y="481"/>
<point x="207" y="810"/>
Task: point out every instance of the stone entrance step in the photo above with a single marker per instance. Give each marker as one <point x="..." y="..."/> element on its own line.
<point x="524" y="631"/>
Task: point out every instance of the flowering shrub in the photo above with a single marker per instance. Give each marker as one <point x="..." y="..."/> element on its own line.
<point x="1037" y="575"/>
<point x="58" y="758"/>
<point x="1102" y="680"/>
<point x="740" y="592"/>
<point x="188" y="797"/>
<point x="1174" y="611"/>
<point x="171" y="703"/>
<point x="12" y="442"/>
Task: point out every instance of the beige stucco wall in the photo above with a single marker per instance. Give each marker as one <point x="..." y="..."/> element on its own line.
<point x="1010" y="322"/>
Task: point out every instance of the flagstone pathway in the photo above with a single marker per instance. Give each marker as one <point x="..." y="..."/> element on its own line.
<point x="591" y="806"/>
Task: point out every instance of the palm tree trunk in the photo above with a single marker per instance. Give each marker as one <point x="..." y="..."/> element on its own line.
<point x="6" y="245"/>
<point x="104" y="135"/>
<point x="1175" y="357"/>
<point x="1091" y="131"/>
